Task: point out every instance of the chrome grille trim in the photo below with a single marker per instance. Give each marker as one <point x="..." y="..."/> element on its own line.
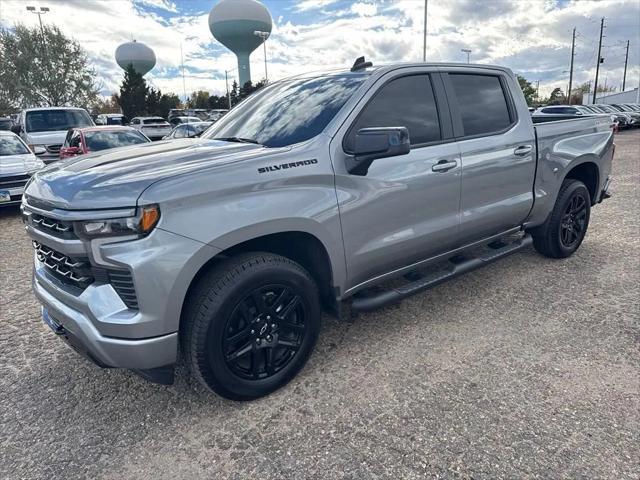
<point x="58" y="228"/>
<point x="71" y="271"/>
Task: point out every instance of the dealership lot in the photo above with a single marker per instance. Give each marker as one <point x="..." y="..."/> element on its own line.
<point x="528" y="367"/>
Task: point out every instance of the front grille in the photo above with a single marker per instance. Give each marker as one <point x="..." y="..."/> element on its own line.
<point x="57" y="228"/>
<point x="53" y="148"/>
<point x="75" y="272"/>
<point x="13" y="181"/>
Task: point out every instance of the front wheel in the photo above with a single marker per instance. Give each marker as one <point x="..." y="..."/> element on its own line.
<point x="251" y="325"/>
<point x="565" y="229"/>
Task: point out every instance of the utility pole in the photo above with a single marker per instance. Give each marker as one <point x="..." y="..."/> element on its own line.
<point x="573" y="49"/>
<point x="424" y="41"/>
<point x="538" y="91"/>
<point x="184" y="85"/>
<point x="626" y="59"/>
<point x="599" y="60"/>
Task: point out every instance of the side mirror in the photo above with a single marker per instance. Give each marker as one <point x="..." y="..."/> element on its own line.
<point x="38" y="150"/>
<point x="16" y="129"/>
<point x="377" y="142"/>
<point x="66" y="152"/>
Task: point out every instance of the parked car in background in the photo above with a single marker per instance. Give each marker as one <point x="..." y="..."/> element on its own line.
<point x="110" y="119"/>
<point x="622" y="120"/>
<point x="216" y="114"/>
<point x="635" y="116"/>
<point x="153" y="127"/>
<point x="5" y="123"/>
<point x="93" y="139"/>
<point x="188" y="130"/>
<point x="47" y="128"/>
<point x="17" y="164"/>
<point x="174" y="121"/>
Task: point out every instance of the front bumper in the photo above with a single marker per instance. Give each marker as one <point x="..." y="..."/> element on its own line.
<point x="94" y="318"/>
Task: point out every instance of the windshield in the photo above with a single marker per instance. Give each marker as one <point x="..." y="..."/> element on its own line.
<point x="56" y="120"/>
<point x="102" y="140"/>
<point x="287" y="112"/>
<point x="11" y="145"/>
<point x="153" y="121"/>
<point x="114" y="120"/>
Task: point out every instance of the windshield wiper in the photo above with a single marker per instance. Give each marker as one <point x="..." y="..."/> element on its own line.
<point x="237" y="140"/>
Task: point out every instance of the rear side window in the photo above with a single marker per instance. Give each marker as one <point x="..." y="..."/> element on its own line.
<point x="403" y="102"/>
<point x="481" y="102"/>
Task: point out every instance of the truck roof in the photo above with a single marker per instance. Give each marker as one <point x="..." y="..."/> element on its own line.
<point x="51" y="108"/>
<point x="384" y="68"/>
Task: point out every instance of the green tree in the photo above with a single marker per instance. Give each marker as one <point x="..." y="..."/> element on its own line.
<point x="152" y="102"/>
<point x="527" y="89"/>
<point x="167" y="102"/>
<point x="133" y="94"/>
<point x="199" y="99"/>
<point x="556" y="97"/>
<point x="43" y="68"/>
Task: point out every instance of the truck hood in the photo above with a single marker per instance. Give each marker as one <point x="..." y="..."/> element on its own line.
<point x="116" y="178"/>
<point x="46" y="138"/>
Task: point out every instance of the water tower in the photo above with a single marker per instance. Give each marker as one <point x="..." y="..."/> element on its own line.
<point x="239" y="26"/>
<point x="136" y="54"/>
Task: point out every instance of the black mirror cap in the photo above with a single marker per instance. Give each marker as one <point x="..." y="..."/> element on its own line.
<point x="16" y="129"/>
<point x="377" y="142"/>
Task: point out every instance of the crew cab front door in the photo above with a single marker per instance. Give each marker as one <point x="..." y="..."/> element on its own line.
<point x="405" y="208"/>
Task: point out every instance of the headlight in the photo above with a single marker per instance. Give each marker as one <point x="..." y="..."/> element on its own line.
<point x="141" y="224"/>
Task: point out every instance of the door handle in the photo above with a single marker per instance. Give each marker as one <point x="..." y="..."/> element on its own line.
<point x="523" y="150"/>
<point x="444" y="166"/>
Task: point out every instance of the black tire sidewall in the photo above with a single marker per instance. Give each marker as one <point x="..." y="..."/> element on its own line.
<point x="215" y="369"/>
<point x="567" y="195"/>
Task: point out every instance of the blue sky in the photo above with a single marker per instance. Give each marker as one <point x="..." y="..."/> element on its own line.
<point x="533" y="37"/>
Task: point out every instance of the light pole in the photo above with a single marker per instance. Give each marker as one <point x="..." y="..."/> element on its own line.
<point x="467" y="51"/>
<point x="226" y="81"/>
<point x="424" y="40"/>
<point x="40" y="12"/>
<point x="263" y="36"/>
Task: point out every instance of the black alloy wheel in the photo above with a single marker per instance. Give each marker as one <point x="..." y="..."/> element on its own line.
<point x="264" y="332"/>
<point x="574" y="220"/>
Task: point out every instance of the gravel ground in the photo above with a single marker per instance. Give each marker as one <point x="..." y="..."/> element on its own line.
<point x="527" y="368"/>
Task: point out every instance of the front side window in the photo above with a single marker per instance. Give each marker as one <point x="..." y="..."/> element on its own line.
<point x="11" y="145"/>
<point x="403" y="102"/>
<point x="102" y="140"/>
<point x="56" y="120"/>
<point x="481" y="102"/>
<point x="289" y="111"/>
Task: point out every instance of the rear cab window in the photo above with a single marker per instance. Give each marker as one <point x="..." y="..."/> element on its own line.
<point x="483" y="103"/>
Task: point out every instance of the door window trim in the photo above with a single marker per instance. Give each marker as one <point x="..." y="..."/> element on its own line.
<point x="456" y="117"/>
<point x="442" y="109"/>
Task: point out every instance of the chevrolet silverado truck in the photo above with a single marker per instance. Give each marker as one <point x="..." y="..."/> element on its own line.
<point x="301" y="199"/>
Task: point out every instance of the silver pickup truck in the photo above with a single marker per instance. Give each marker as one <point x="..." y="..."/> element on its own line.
<point x="300" y="199"/>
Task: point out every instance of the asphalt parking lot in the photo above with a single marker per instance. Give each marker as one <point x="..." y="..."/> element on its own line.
<point x="527" y="368"/>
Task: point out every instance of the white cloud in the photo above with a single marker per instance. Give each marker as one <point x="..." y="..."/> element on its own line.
<point x="364" y="9"/>
<point x="306" y="5"/>
<point x="166" y="5"/>
<point x="533" y="37"/>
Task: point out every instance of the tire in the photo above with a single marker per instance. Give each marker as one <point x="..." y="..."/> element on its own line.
<point x="251" y="325"/>
<point x="563" y="232"/>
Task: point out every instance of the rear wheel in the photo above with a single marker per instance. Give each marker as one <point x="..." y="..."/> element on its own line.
<point x="565" y="229"/>
<point x="251" y="325"/>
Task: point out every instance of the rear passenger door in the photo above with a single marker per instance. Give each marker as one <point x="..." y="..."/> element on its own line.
<point x="497" y="146"/>
<point x="403" y="209"/>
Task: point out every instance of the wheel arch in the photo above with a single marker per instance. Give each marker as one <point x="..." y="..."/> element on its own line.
<point x="588" y="172"/>
<point x="302" y="247"/>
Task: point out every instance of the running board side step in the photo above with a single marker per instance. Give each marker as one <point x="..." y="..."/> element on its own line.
<point x="367" y="303"/>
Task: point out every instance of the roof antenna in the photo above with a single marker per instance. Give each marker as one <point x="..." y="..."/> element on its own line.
<point x="360" y="64"/>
